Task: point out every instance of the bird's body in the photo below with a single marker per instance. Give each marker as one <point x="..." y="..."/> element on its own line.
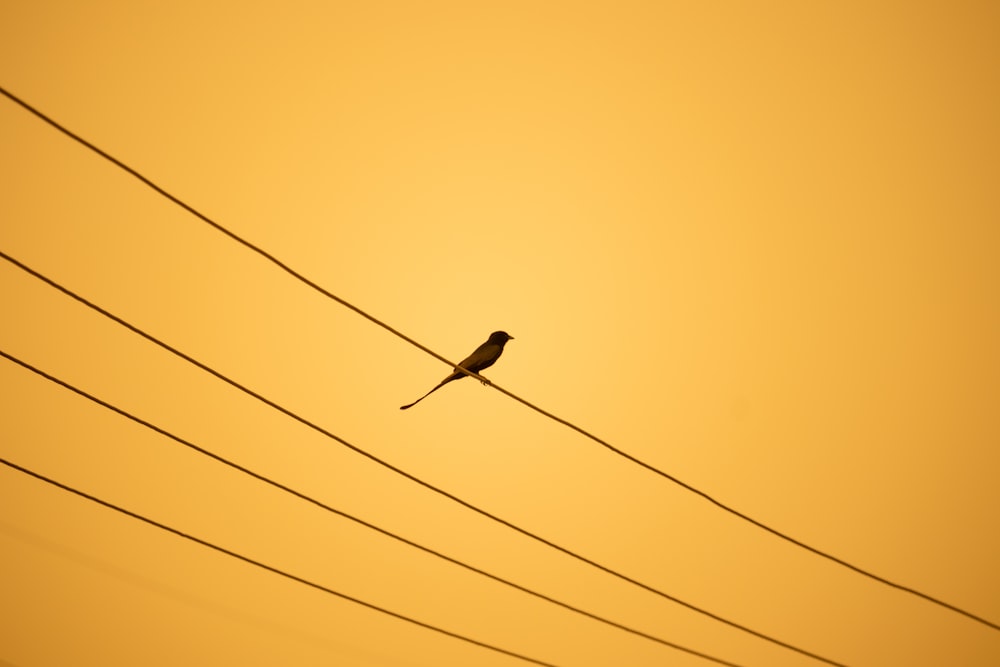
<point x="484" y="357"/>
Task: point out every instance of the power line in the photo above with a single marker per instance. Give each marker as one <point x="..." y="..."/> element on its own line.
<point x="315" y="286"/>
<point x="409" y="476"/>
<point x="201" y="450"/>
<point x="275" y="570"/>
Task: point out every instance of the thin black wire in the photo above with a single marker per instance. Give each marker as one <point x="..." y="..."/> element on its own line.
<point x="271" y="568"/>
<point x="201" y="450"/>
<point x="301" y="278"/>
<point x="409" y="476"/>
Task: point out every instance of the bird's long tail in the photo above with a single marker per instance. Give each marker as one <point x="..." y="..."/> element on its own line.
<point x="443" y="383"/>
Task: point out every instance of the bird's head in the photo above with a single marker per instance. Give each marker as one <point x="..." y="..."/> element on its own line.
<point x="500" y="337"/>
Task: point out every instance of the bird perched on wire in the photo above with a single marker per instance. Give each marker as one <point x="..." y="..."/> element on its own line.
<point x="484" y="357"/>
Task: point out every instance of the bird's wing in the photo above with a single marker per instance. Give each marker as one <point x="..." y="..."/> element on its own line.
<point x="483" y="357"/>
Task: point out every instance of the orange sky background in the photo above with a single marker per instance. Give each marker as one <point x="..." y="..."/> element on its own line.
<point x="754" y="245"/>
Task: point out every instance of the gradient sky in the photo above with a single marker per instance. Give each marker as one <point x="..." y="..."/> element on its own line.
<point x="754" y="245"/>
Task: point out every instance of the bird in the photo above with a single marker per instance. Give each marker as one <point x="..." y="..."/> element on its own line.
<point x="485" y="356"/>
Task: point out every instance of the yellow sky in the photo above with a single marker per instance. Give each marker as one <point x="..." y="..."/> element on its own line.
<point x="752" y="245"/>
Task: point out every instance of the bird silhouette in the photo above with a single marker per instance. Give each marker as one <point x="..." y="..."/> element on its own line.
<point x="485" y="356"/>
